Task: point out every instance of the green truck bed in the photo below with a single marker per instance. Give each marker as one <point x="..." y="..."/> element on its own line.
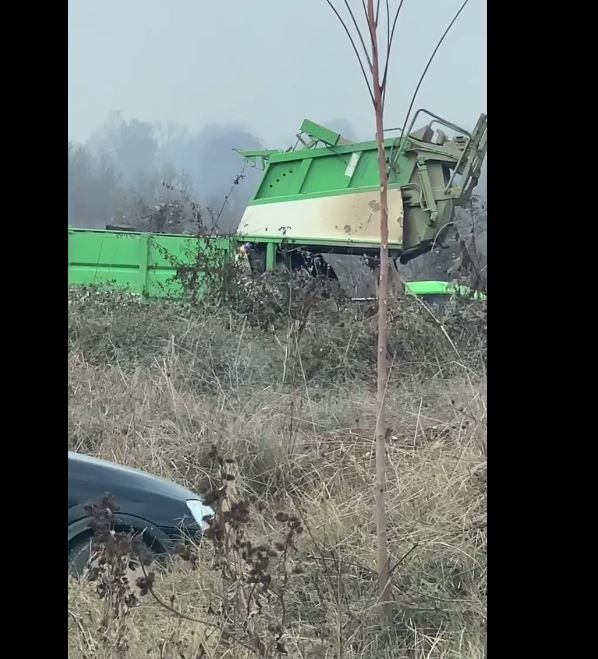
<point x="142" y="263"/>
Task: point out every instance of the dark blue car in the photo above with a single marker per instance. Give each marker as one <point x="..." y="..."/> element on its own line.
<point x="159" y="511"/>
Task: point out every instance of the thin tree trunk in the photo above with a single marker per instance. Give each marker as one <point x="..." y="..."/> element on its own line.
<point x="384" y="584"/>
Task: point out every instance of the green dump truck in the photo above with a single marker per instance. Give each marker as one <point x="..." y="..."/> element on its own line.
<point x="319" y="198"/>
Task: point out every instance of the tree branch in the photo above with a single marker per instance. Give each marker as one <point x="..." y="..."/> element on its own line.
<point x="365" y="11"/>
<point x="359" y="34"/>
<point x="390" y="37"/>
<point x="365" y="77"/>
<point x="423" y="75"/>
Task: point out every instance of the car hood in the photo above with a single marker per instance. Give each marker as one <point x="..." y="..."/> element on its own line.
<point x="111" y="477"/>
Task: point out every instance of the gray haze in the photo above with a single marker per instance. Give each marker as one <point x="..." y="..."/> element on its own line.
<point x="163" y="90"/>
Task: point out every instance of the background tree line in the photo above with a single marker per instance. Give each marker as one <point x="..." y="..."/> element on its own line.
<point x="129" y="171"/>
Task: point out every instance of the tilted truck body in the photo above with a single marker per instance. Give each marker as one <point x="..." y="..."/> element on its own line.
<point x="324" y="196"/>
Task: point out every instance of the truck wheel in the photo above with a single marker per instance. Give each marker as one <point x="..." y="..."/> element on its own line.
<point x="79" y="555"/>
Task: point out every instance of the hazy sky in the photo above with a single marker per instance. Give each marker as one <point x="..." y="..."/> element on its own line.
<point x="266" y="64"/>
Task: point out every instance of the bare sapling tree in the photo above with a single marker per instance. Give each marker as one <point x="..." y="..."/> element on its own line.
<point x="369" y="61"/>
<point x="384" y="585"/>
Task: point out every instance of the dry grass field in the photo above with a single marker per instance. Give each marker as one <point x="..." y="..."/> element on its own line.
<point x="156" y="386"/>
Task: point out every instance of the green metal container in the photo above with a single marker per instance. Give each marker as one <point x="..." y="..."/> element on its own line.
<point x="142" y="263"/>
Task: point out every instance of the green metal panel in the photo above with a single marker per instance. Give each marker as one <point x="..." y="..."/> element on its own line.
<point x="425" y="288"/>
<point x="313" y="173"/>
<point x="270" y="256"/>
<point x="144" y="244"/>
<point x="104" y="257"/>
<point x="320" y="133"/>
<point x="137" y="262"/>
